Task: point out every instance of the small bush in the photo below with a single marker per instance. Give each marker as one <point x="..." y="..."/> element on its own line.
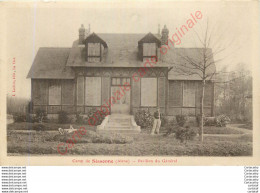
<point x="80" y="119"/>
<point x="164" y="120"/>
<point x="63" y="117"/>
<point x="185" y="133"/>
<point x="31" y="118"/>
<point x="29" y="107"/>
<point x="94" y="117"/>
<point x="222" y="120"/>
<point x="19" y="117"/>
<point x="93" y="137"/>
<point x="144" y="118"/>
<point x="171" y="127"/>
<point x="41" y="115"/>
<point x="181" y="120"/>
<point x="39" y="127"/>
<point x="198" y="118"/>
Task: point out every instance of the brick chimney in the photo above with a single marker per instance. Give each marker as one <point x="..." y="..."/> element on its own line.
<point x="165" y="33"/>
<point x="81" y="34"/>
<point x="159" y="30"/>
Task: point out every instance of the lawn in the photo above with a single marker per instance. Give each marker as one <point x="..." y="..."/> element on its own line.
<point x="220" y="130"/>
<point x="49" y="126"/>
<point x="143" y="144"/>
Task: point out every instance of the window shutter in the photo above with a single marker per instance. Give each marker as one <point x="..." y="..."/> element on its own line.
<point x="175" y="93"/>
<point x="80" y="90"/>
<point x="189" y="94"/>
<point x="161" y="91"/>
<point x="136" y="93"/>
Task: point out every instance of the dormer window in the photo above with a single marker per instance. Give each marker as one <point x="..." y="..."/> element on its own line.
<point x="94" y="52"/>
<point x="148" y="46"/>
<point x="149" y="49"/>
<point x="94" y="48"/>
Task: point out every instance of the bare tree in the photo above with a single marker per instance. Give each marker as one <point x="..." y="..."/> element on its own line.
<point x="203" y="67"/>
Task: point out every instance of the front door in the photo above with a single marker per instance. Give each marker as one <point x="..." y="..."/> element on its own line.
<point x="121" y="102"/>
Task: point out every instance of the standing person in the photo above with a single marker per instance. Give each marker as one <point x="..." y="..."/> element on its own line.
<point x="156" y="122"/>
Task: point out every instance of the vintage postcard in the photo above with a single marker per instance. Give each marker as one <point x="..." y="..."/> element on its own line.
<point x="130" y="83"/>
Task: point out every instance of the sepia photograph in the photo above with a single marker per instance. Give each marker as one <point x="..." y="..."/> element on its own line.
<point x="161" y="79"/>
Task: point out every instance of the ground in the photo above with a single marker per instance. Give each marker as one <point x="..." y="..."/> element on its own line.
<point x="233" y="140"/>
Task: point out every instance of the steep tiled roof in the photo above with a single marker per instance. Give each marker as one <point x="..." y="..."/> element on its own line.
<point x="50" y="63"/>
<point x="180" y="60"/>
<point x="122" y="52"/>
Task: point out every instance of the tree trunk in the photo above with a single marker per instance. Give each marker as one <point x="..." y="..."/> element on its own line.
<point x="201" y="127"/>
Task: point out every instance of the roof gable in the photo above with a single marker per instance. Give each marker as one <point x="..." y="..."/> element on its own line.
<point x="94" y="38"/>
<point x="149" y="38"/>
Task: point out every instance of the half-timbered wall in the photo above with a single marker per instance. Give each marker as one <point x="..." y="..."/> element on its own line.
<point x="92" y="89"/>
<point x="154" y="81"/>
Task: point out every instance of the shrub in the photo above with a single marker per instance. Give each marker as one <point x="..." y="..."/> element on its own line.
<point x="31" y="118"/>
<point x="144" y="118"/>
<point x="63" y="117"/>
<point x="185" y="133"/>
<point x="19" y="117"/>
<point x="80" y="119"/>
<point x="29" y="107"/>
<point x="207" y="121"/>
<point x="93" y="137"/>
<point x="210" y="121"/>
<point x="198" y="119"/>
<point x="171" y="126"/>
<point x="95" y="117"/>
<point x="164" y="120"/>
<point x="222" y="120"/>
<point x="38" y="127"/>
<point x="181" y="120"/>
<point x="41" y="115"/>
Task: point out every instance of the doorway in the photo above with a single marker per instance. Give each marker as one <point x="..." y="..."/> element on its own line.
<point x="121" y="105"/>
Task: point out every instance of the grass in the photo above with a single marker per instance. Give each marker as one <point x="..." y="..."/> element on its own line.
<point x="49" y="126"/>
<point x="220" y="130"/>
<point x="248" y="126"/>
<point x="215" y="130"/>
<point x="143" y="144"/>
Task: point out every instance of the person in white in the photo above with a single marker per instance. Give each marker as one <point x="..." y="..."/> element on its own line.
<point x="156" y="122"/>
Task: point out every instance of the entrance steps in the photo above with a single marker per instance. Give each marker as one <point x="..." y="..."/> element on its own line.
<point x="118" y="123"/>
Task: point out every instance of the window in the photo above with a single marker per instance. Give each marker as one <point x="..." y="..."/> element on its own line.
<point x="149" y="92"/>
<point x="149" y="49"/>
<point x="120" y="81"/>
<point x="94" y="52"/>
<point x="189" y="92"/>
<point x="93" y="49"/>
<point x="93" y="91"/>
<point x="54" y="93"/>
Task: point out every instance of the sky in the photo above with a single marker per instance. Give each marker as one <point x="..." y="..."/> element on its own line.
<point x="233" y="25"/>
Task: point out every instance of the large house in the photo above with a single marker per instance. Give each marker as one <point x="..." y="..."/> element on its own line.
<point x="89" y="74"/>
